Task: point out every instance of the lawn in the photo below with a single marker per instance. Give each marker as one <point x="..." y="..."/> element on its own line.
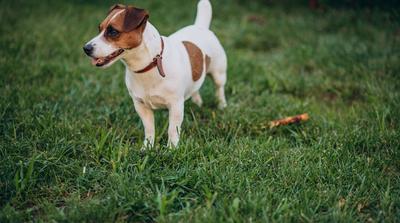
<point x="70" y="138"/>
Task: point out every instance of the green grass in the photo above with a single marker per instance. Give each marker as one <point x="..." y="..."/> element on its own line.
<point x="70" y="139"/>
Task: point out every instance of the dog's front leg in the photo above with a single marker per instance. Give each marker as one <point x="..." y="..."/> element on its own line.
<point x="147" y="116"/>
<point x="175" y="121"/>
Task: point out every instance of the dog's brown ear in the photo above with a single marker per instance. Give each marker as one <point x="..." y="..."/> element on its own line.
<point x="116" y="6"/>
<point x="134" y="18"/>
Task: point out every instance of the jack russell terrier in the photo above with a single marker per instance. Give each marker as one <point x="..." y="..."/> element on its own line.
<point x="161" y="72"/>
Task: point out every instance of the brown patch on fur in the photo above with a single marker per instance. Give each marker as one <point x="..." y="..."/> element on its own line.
<point x="196" y="59"/>
<point x="208" y="61"/>
<point x="129" y="21"/>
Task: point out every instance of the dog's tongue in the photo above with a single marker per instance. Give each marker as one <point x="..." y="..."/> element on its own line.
<point x="96" y="61"/>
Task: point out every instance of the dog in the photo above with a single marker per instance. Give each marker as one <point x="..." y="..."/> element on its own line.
<point x="161" y="72"/>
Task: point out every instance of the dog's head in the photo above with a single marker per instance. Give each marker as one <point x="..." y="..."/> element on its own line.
<point x="119" y="32"/>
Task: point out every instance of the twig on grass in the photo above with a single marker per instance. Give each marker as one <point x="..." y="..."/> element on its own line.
<point x="289" y="120"/>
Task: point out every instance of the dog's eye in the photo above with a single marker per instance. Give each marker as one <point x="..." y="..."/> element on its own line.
<point x="111" y="32"/>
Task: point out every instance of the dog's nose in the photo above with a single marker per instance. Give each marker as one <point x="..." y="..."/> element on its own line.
<point x="88" y="48"/>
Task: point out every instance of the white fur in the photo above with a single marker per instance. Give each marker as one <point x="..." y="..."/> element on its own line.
<point x="151" y="91"/>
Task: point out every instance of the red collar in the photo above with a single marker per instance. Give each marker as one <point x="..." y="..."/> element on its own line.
<point x="157" y="62"/>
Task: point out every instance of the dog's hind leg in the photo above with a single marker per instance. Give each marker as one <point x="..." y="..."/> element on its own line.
<point x="219" y="78"/>
<point x="196" y="98"/>
<point x="218" y="65"/>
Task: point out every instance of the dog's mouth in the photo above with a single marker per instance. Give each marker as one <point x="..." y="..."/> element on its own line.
<point x="101" y="61"/>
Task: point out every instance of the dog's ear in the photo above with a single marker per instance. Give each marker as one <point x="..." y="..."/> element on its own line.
<point x="134" y="18"/>
<point x="116" y="6"/>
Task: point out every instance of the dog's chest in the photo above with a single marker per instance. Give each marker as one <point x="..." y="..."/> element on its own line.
<point x="149" y="92"/>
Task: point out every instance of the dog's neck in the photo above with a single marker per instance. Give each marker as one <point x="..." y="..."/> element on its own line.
<point x="141" y="56"/>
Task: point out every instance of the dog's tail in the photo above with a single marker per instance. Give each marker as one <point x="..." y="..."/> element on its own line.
<point x="204" y="14"/>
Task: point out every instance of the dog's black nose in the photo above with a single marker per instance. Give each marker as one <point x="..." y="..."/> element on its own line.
<point x="88" y="48"/>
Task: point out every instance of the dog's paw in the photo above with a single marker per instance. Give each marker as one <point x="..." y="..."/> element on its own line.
<point x="196" y="98"/>
<point x="144" y="148"/>
<point x="198" y="102"/>
<point x="222" y="105"/>
<point x="172" y="144"/>
<point x="147" y="145"/>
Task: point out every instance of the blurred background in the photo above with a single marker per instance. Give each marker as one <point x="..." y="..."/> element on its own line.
<point x="70" y="139"/>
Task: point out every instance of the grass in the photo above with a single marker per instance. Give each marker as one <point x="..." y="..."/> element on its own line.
<point x="70" y="139"/>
